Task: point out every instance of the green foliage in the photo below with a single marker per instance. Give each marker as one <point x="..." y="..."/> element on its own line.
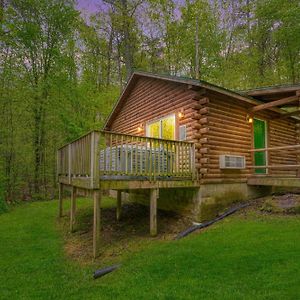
<point x="271" y="206"/>
<point x="60" y="74"/>
<point x="297" y="209"/>
<point x="3" y="205"/>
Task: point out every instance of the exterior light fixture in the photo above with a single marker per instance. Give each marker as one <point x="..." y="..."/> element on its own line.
<point x="140" y="128"/>
<point x="249" y="119"/>
<point x="180" y="114"/>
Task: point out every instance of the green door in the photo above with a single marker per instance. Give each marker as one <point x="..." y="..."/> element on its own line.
<point x="259" y="130"/>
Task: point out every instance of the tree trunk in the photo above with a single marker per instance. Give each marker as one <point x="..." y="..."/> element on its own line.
<point x="197" y="62"/>
<point x="39" y="145"/>
<point x="126" y="39"/>
<point x="109" y="51"/>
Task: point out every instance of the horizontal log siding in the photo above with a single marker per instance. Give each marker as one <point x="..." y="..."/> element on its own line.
<point x="281" y="133"/>
<point x="217" y="127"/>
<point x="151" y="99"/>
<point x="229" y="133"/>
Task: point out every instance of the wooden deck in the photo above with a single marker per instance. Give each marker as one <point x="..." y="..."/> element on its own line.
<point x="272" y="178"/>
<point x="102" y="160"/>
<point x="106" y="160"/>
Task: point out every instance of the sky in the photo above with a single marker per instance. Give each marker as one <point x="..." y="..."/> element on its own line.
<point x="88" y="6"/>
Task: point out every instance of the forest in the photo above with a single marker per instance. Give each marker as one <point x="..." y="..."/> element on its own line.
<point x="62" y="69"/>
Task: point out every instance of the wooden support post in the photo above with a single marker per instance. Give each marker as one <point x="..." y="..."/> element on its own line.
<point x="97" y="221"/>
<point x="73" y="208"/>
<point x="153" y="211"/>
<point x="60" y="199"/>
<point x="119" y="204"/>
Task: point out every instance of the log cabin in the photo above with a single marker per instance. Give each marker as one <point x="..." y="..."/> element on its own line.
<point x="186" y="145"/>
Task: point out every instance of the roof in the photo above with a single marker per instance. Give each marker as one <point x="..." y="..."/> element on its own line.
<point x="271" y="93"/>
<point x="272" y="89"/>
<point x="245" y="96"/>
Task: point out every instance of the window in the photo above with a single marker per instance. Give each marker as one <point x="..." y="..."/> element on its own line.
<point x="163" y="128"/>
<point x="182" y="133"/>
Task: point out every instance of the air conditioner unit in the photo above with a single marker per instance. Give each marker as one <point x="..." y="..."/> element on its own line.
<point x="232" y="162"/>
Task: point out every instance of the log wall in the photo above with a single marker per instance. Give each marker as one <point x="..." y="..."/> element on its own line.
<point x="152" y="99"/>
<point x="216" y="123"/>
<point x="228" y="132"/>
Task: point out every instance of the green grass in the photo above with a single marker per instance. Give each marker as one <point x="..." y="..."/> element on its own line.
<point x="252" y="257"/>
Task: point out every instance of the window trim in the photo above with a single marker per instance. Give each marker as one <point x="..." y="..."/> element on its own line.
<point x="160" y="119"/>
<point x="266" y="143"/>
<point x="185" y="129"/>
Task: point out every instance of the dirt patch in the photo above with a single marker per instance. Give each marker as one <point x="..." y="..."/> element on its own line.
<point x="128" y="235"/>
<point x="283" y="203"/>
<point x="287" y="201"/>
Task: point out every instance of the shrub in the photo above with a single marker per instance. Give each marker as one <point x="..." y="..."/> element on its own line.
<point x="270" y="206"/>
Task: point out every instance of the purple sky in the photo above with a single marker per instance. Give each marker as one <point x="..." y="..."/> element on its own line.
<point x="88" y="6"/>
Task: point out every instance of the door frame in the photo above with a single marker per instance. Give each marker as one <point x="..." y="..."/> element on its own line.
<point x="266" y="144"/>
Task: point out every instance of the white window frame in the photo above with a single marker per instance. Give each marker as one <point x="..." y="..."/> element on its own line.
<point x="160" y="125"/>
<point x="182" y="127"/>
<point x="266" y="144"/>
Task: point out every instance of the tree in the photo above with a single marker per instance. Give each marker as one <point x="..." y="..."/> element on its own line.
<point x="39" y="31"/>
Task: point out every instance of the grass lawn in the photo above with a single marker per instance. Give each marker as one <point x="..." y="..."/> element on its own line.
<point x="246" y="256"/>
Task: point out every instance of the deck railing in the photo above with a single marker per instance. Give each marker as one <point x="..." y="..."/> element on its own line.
<point x="290" y="155"/>
<point x="113" y="156"/>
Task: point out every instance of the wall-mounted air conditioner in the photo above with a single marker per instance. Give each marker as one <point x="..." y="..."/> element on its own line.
<point x="228" y="161"/>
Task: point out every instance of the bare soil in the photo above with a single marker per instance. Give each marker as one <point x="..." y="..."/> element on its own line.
<point x="287" y="201"/>
<point x="122" y="237"/>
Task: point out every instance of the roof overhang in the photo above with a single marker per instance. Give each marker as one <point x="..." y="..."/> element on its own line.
<point x="273" y="91"/>
<point x="246" y="97"/>
<point x="284" y="97"/>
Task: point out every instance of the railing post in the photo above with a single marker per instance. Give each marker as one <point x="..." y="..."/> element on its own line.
<point x="70" y="163"/>
<point x="110" y="153"/>
<point x="193" y="161"/>
<point x="92" y="158"/>
<point x="267" y="161"/>
<point x="104" y="154"/>
<point x="95" y="159"/>
<point x="151" y="160"/>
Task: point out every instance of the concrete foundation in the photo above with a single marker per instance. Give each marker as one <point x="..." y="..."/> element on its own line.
<point x="203" y="203"/>
<point x="215" y="198"/>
